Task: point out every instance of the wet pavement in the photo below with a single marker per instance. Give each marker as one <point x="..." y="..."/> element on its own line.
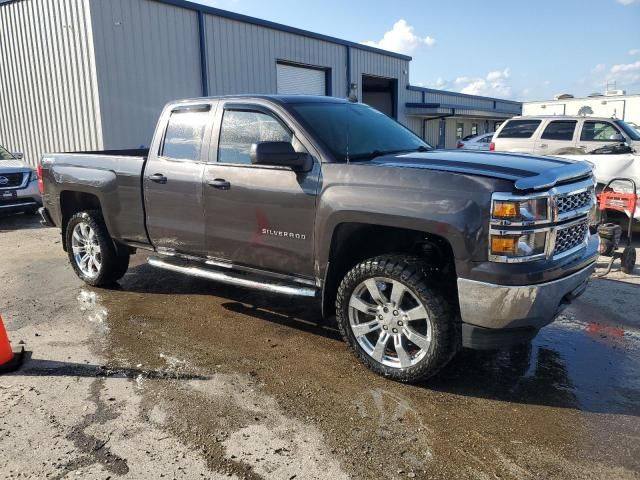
<point x="258" y="386"/>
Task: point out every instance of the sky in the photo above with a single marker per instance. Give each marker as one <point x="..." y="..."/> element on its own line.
<point x="516" y="49"/>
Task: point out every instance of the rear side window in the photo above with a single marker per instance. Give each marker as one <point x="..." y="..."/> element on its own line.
<point x="560" y="130"/>
<point x="519" y="129"/>
<point x="598" y="131"/>
<point x="240" y="129"/>
<point x="183" y="138"/>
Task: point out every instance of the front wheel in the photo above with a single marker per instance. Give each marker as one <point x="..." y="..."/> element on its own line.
<point x="91" y="251"/>
<point x="394" y="321"/>
<point x="628" y="260"/>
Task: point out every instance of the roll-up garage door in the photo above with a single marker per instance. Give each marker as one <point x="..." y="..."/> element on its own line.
<point x="293" y="80"/>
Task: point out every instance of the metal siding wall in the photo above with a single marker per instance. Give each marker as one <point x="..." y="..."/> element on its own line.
<point x="48" y="94"/>
<point x="147" y="54"/>
<point x="242" y="57"/>
<point x="370" y="63"/>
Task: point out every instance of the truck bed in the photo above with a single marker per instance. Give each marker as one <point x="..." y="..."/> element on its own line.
<point x="114" y="177"/>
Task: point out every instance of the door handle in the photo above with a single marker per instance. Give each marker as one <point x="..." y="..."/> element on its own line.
<point x="219" y="183"/>
<point x="158" y="178"/>
<point x="543" y="145"/>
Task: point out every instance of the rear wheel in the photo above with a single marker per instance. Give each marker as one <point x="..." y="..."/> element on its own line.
<point x="91" y="251"/>
<point x="393" y="321"/>
<point x="628" y="260"/>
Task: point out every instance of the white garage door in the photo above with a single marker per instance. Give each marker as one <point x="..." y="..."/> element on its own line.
<point x="300" y="80"/>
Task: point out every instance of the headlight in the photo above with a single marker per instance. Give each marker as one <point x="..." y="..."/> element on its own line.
<point x="518" y="245"/>
<point x="531" y="210"/>
<point x="34" y="176"/>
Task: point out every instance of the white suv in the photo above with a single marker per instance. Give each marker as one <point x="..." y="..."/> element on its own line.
<point x="562" y="135"/>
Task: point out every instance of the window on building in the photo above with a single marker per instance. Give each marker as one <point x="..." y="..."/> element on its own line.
<point x="241" y="129"/>
<point x="559" y="130"/>
<point x="519" y="129"/>
<point x="497" y="125"/>
<point x="459" y="131"/>
<point x="474" y="129"/>
<point x="183" y="137"/>
<point x="593" y="131"/>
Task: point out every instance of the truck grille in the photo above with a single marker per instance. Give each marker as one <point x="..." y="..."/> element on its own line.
<point x="569" y="203"/>
<point x="571" y="237"/>
<point x="10" y="180"/>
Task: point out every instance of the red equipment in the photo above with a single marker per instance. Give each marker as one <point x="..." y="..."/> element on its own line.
<point x="608" y="199"/>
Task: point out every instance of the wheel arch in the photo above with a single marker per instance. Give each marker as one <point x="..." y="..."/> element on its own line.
<point x="353" y="242"/>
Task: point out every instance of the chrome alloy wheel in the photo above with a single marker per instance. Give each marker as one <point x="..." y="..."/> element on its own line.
<point x="86" y="250"/>
<point x="389" y="322"/>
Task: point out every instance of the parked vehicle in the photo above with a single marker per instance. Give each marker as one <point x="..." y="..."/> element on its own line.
<point x="562" y="135"/>
<point x="18" y="184"/>
<point x="614" y="161"/>
<point x="417" y="252"/>
<point x="475" y="142"/>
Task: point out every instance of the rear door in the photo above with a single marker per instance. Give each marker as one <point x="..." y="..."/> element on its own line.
<point x="517" y="135"/>
<point x="257" y="215"/>
<point x="597" y="134"/>
<point x="556" y="136"/>
<point x="172" y="180"/>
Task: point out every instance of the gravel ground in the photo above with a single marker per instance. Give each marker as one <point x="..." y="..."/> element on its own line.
<point x="173" y="377"/>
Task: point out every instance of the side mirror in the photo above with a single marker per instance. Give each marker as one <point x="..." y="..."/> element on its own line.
<point x="18" y="155"/>
<point x="617" y="137"/>
<point x="280" y="154"/>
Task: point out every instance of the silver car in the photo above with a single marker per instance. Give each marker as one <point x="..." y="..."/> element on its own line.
<point x="18" y="184"/>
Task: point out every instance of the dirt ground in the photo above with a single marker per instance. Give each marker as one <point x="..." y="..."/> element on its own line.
<point x="168" y="376"/>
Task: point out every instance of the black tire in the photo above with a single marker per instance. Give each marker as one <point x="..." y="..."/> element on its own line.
<point x="411" y="273"/>
<point x="113" y="266"/>
<point x="628" y="260"/>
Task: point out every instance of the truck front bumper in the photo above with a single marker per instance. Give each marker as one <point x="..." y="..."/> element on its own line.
<point x="26" y="198"/>
<point x="498" y="316"/>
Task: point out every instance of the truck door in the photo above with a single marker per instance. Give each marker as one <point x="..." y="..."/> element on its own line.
<point x="256" y="215"/>
<point x="557" y="135"/>
<point x="172" y="180"/>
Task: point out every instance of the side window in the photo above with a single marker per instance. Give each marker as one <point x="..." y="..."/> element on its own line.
<point x="593" y="131"/>
<point x="183" y="137"/>
<point x="487" y="139"/>
<point x="560" y="130"/>
<point x="519" y="129"/>
<point x="459" y="131"/>
<point x="240" y="129"/>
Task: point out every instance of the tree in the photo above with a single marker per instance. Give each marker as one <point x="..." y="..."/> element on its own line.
<point x="585" y="110"/>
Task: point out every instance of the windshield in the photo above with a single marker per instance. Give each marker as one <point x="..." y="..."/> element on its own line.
<point x="5" y="155"/>
<point x="356" y="132"/>
<point x="628" y="129"/>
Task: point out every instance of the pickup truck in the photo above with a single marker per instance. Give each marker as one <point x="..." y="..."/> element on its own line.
<point x="417" y="252"/>
<point x="18" y="184"/>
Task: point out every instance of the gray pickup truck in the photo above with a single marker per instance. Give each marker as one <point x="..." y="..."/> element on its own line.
<point x="417" y="252"/>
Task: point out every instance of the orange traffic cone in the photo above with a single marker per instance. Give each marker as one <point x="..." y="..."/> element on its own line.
<point x="9" y="361"/>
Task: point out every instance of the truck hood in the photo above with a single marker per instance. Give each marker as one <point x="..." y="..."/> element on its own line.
<point x="528" y="172"/>
<point x="9" y="166"/>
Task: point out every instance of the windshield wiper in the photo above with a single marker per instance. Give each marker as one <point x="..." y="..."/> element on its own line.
<point x="378" y="153"/>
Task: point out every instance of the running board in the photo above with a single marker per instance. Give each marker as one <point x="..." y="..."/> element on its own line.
<point x="231" y="279"/>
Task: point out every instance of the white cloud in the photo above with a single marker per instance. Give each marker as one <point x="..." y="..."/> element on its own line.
<point x="401" y="38"/>
<point x="628" y="2"/>
<point x="634" y="51"/>
<point x="495" y="83"/>
<point x="440" y="84"/>
<point x="625" y="74"/>
<point x="601" y="67"/>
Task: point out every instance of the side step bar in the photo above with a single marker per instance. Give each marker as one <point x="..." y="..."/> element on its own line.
<point x="231" y="279"/>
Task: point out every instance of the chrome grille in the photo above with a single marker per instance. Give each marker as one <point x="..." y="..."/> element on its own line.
<point x="10" y="180"/>
<point x="571" y="237"/>
<point x="569" y="203"/>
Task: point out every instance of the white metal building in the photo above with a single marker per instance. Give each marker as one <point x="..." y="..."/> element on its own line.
<point x="95" y="74"/>
<point x="613" y="103"/>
